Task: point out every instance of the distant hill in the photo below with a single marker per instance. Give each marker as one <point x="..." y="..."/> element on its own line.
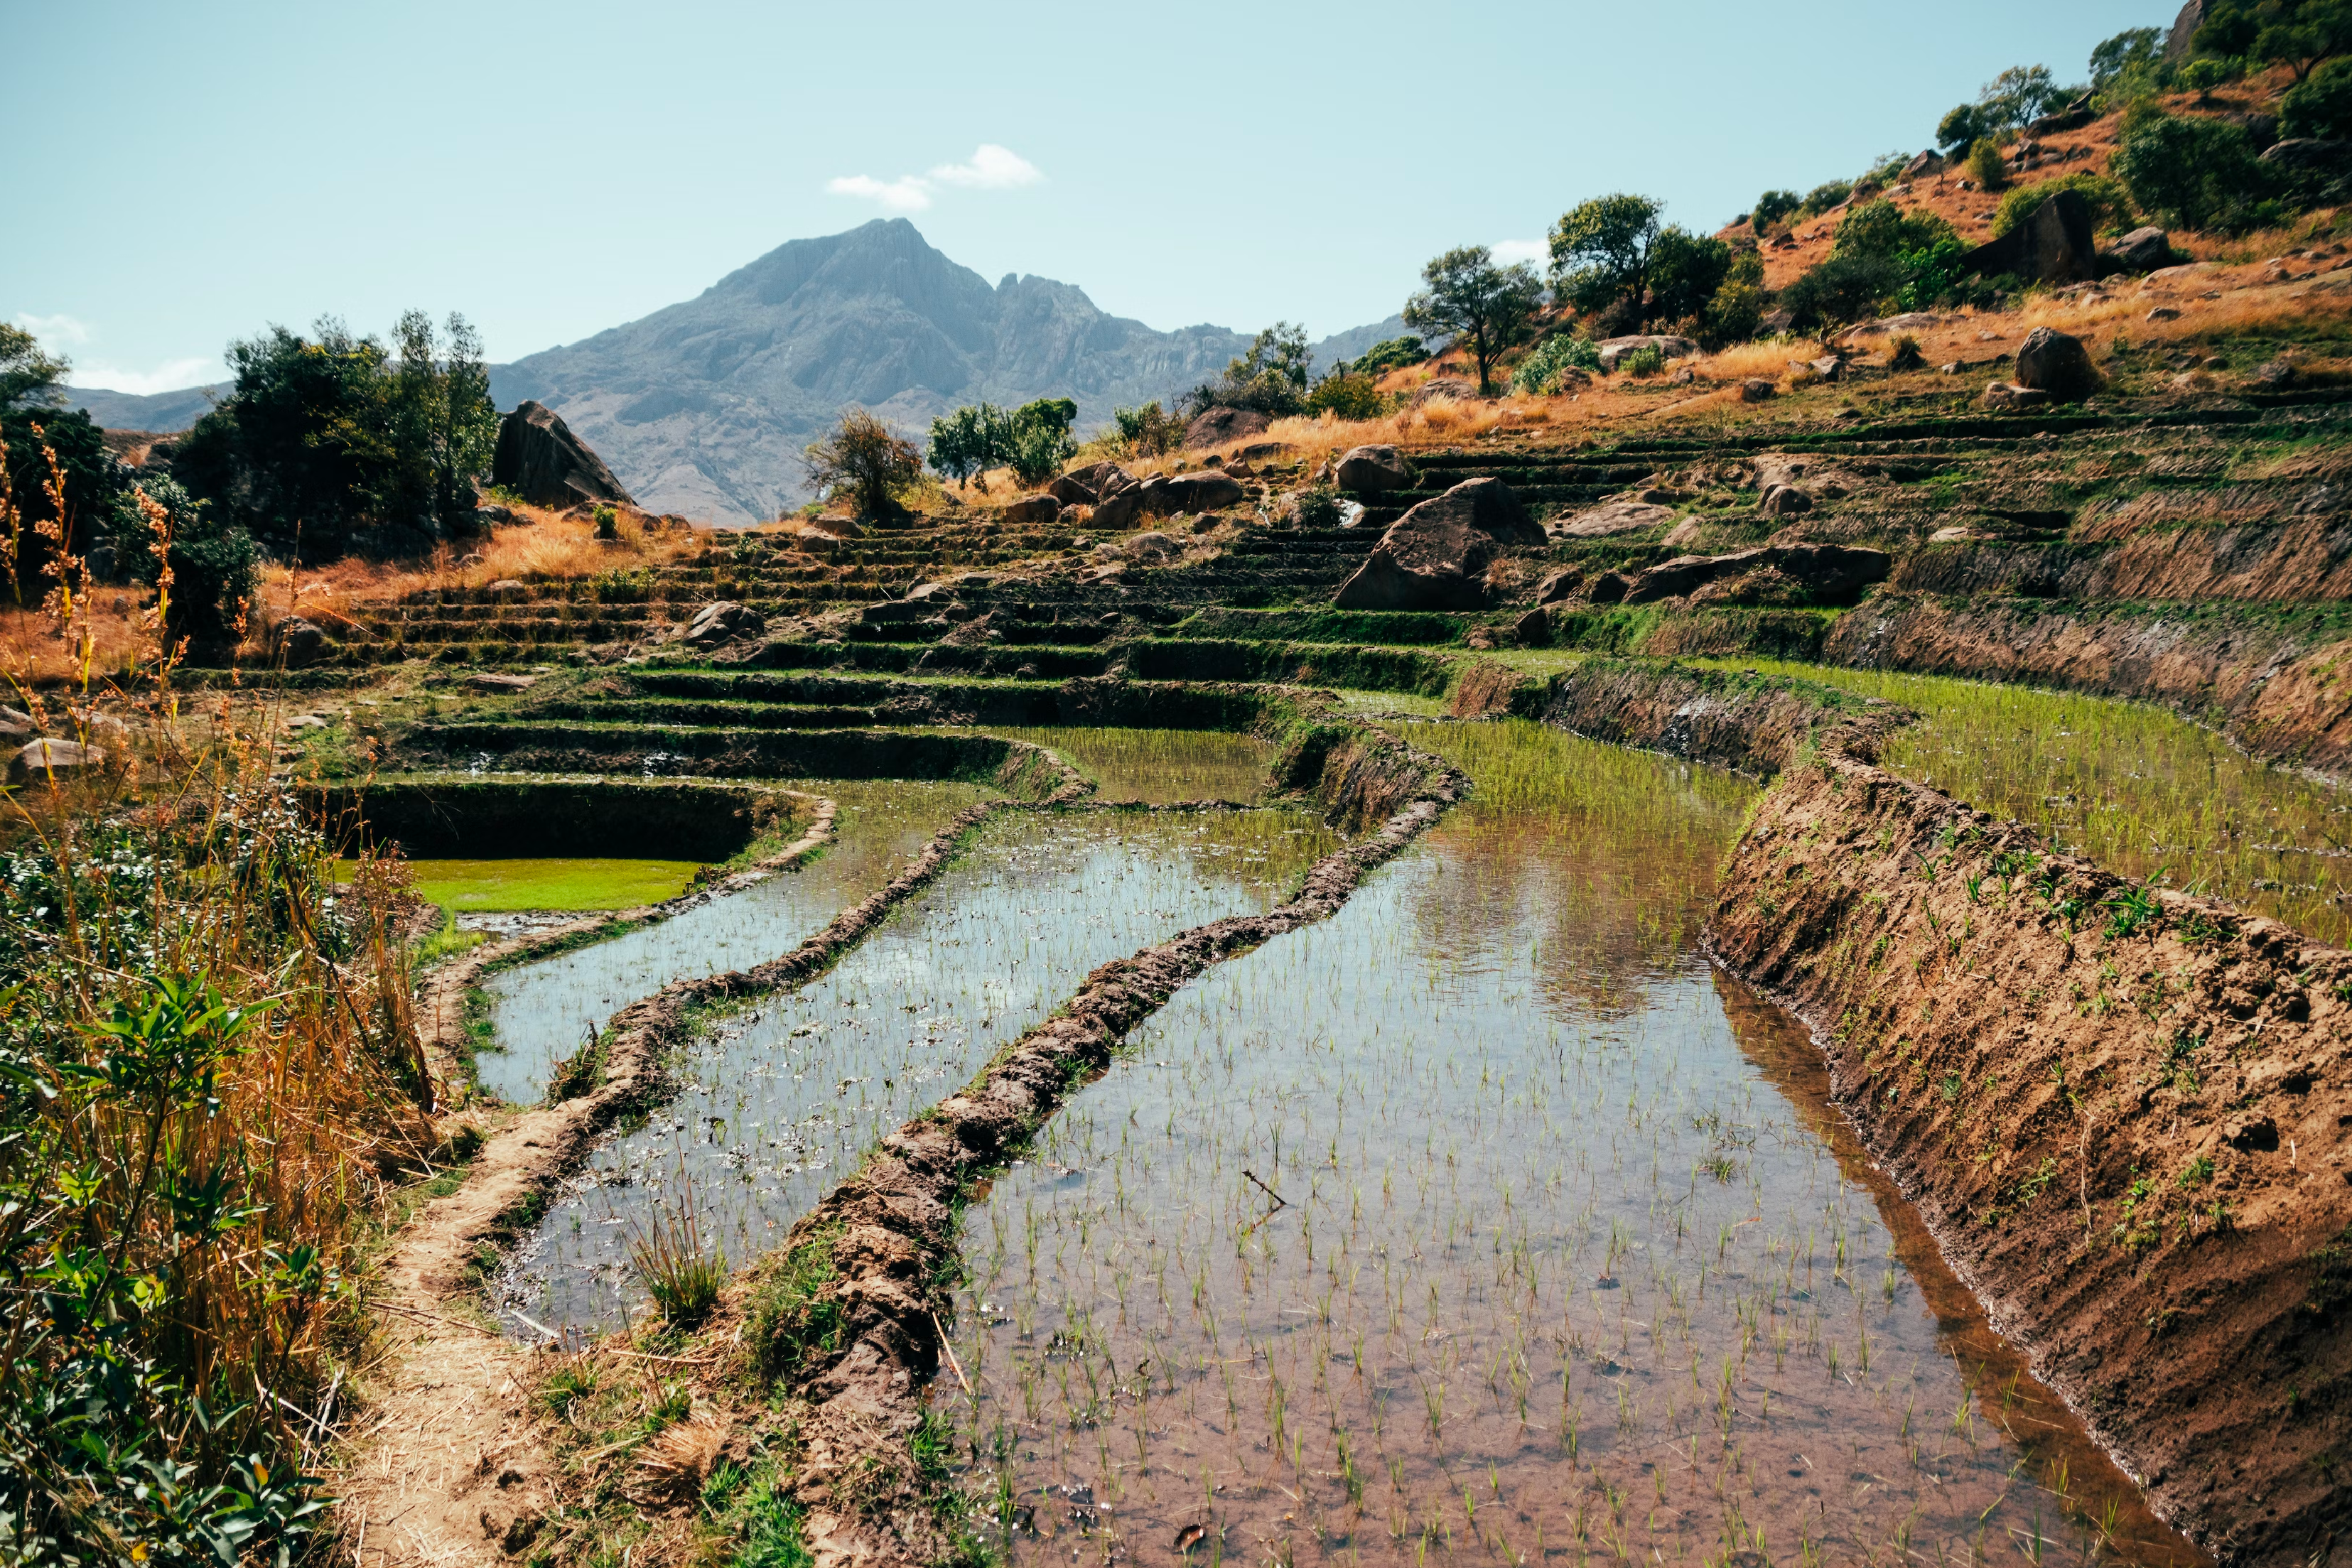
<point x="163" y="413"/>
<point x="704" y="407"/>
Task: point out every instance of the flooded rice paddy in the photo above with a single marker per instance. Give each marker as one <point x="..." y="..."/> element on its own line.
<point x="1484" y="1220"/>
<point x="495" y="886"/>
<point x="1160" y="766"/>
<point x="2131" y="786"/>
<point x="540" y="1012"/>
<point x="780" y="1100"/>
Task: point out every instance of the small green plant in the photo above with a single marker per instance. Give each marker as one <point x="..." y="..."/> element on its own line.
<point x="1985" y="165"/>
<point x="1649" y="360"/>
<point x="607" y="521"/>
<point x="2130" y="910"/>
<point x="669" y="1259"/>
<point x="1543" y="370"/>
<point x="795" y="1316"/>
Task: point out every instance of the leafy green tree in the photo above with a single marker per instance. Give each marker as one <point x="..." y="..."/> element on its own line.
<point x="1771" y="207"/>
<point x="1881" y="229"/>
<point x="1843" y="289"/>
<point x="1347" y="394"/>
<point x="2189" y="171"/>
<point x="2021" y="95"/>
<point x="1686" y="270"/>
<point x="2298" y="34"/>
<point x="2320" y="106"/>
<point x="1146" y="432"/>
<point x="1039" y="440"/>
<point x="968" y="442"/>
<point x="1388" y="354"/>
<point x="2134" y="52"/>
<point x="1962" y="129"/>
<point x="93" y="487"/>
<point x="439" y="427"/>
<point x="1466" y="295"/>
<point x="215" y="567"/>
<point x="27" y="374"/>
<point x="1270" y="378"/>
<point x="861" y="457"/>
<point x="1737" y="309"/>
<point x="1600" y="251"/>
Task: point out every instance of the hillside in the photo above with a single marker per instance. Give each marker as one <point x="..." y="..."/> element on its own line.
<point x="162" y="412"/>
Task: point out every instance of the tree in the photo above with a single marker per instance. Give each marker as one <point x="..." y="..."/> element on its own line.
<point x="1737" y="310"/>
<point x="1686" y="270"/>
<point x="970" y="441"/>
<point x="214" y="565"/>
<point x="1347" y="394"/>
<point x="2019" y="96"/>
<point x="1841" y="289"/>
<point x="1038" y="439"/>
<point x="2189" y="171"/>
<point x="2320" y="107"/>
<point x="1271" y="377"/>
<point x="1962" y="129"/>
<point x="1146" y="432"/>
<point x="1466" y="295"/>
<point x="2298" y="34"/>
<point x="439" y="427"/>
<point x="93" y="489"/>
<point x="2133" y="52"/>
<point x="1881" y="229"/>
<point x="27" y="375"/>
<point x="861" y="457"/>
<point x="1600" y="251"/>
<point x="1771" y="207"/>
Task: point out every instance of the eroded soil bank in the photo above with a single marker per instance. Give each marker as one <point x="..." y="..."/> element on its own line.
<point x="2121" y="1111"/>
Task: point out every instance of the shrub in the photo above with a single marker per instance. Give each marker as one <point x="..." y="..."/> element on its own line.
<point x="2109" y="203"/>
<point x="1962" y="129"/>
<point x="1686" y="270"/>
<point x="1040" y="440"/>
<point x="214" y="564"/>
<point x="2321" y="106"/>
<point x="1881" y="228"/>
<point x="1772" y="207"/>
<point x="1540" y="373"/>
<point x="1143" y="432"/>
<point x="1033" y="440"/>
<point x="2189" y="171"/>
<point x="1648" y="360"/>
<point x="1347" y="394"/>
<point x="862" y="457"/>
<point x="1824" y="197"/>
<point x="1843" y="289"/>
<point x="1600" y="251"/>
<point x="1984" y="166"/>
<point x="1389" y="354"/>
<point x="1738" y="309"/>
<point x="1270" y="378"/>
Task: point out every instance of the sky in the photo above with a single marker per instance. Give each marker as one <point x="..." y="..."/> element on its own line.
<point x="185" y="175"/>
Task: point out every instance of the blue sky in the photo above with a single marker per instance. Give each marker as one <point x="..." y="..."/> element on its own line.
<point x="184" y="175"/>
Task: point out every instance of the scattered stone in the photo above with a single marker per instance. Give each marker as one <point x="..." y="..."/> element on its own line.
<point x="496" y="684"/>
<point x="540" y="459"/>
<point x="716" y="625"/>
<point x="1823" y="572"/>
<point x="1367" y="469"/>
<point x="2164" y="313"/>
<point x="17" y="725"/>
<point x="2057" y="362"/>
<point x="1930" y="162"/>
<point x="1118" y="508"/>
<point x="1215" y="427"/>
<point x="1435" y="556"/>
<point x="1682" y="377"/>
<point x="492" y="516"/>
<point x="1614" y="518"/>
<point x="1033" y="509"/>
<point x="1616" y="348"/>
<point x="2004" y="396"/>
<point x="1481" y="637"/>
<point x="1071" y="490"/>
<point x="1829" y="368"/>
<point x="2277" y="373"/>
<point x="1453" y="387"/>
<point x="1610" y="587"/>
<point x="1532" y="629"/>
<point x="1202" y="492"/>
<point x="2142" y="250"/>
<point x="1153" y="547"/>
<point x="1786" y="500"/>
<point x="508" y="587"/>
<point x="1559" y="587"/>
<point x="1756" y="389"/>
<point x="299" y="644"/>
<point x="49" y="759"/>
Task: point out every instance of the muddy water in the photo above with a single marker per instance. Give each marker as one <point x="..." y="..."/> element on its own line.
<point x="1161" y="767"/>
<point x="1485" y="1220"/>
<point x="780" y="1100"/>
<point x="542" y="1011"/>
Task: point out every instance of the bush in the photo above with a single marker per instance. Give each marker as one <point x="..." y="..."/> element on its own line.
<point x="1033" y="440"/>
<point x="1881" y="228"/>
<point x="1389" y="354"/>
<point x="1649" y="360"/>
<point x="2190" y="172"/>
<point x="1143" y="432"/>
<point x="1738" y="309"/>
<point x="1347" y="394"/>
<point x="1686" y="270"/>
<point x="1822" y="197"/>
<point x="1984" y="166"/>
<point x="215" y="564"/>
<point x="1540" y="373"/>
<point x="1843" y="289"/>
<point x="1270" y="378"/>
<point x="2109" y="203"/>
<point x="1772" y="207"/>
<point x="2321" y="106"/>
<point x="1962" y="129"/>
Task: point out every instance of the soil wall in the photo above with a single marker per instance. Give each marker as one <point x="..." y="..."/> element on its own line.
<point x="665" y="818"/>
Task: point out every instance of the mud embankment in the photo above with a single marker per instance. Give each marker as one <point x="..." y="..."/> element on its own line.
<point x="2123" y="1112"/>
<point x="2280" y="684"/>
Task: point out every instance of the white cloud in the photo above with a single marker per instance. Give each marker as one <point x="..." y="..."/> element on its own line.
<point x="1507" y="251"/>
<point x="169" y="376"/>
<point x="993" y="168"/>
<point x="906" y="193"/>
<point x="53" y="329"/>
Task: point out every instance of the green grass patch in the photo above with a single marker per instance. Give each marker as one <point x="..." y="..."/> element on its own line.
<point x="488" y="886"/>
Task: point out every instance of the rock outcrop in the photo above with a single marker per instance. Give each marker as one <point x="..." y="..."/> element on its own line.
<point x="1215" y="427"/>
<point x="1800" y="573"/>
<point x="540" y="459"/>
<point x="1435" y="556"/>
<point x="1367" y="469"/>
<point x="1616" y="348"/>
<point x="1165" y="496"/>
<point x="2142" y="250"/>
<point x="2056" y="244"/>
<point x="2057" y="362"/>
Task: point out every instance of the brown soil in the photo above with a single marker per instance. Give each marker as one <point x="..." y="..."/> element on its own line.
<point x="453" y="1471"/>
<point x="2130" y="1143"/>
